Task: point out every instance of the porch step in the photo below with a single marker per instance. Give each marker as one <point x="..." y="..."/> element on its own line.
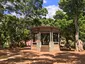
<point x="44" y="48"/>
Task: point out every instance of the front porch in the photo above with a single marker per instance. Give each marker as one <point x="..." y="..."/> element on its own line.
<point x="45" y="48"/>
<point x="48" y="37"/>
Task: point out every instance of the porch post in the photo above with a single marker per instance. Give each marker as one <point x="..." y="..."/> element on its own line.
<point x="51" y="43"/>
<point x="39" y="36"/>
<point x="39" y="42"/>
<point x="52" y="37"/>
<point x="58" y="37"/>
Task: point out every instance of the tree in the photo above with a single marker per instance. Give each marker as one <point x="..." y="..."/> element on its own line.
<point x="23" y="7"/>
<point x="73" y="8"/>
<point x="81" y="27"/>
<point x="13" y="29"/>
<point x="47" y="22"/>
<point x="65" y="24"/>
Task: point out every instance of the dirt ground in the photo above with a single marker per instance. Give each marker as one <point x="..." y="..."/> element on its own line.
<point x="26" y="56"/>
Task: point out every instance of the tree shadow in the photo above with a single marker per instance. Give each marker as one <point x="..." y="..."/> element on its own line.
<point x="48" y="55"/>
<point x="26" y="48"/>
<point x="64" y="48"/>
<point x="4" y="53"/>
<point x="11" y="52"/>
<point x="23" y="57"/>
<point x="33" y="61"/>
<point x="66" y="57"/>
<point x="70" y="58"/>
<point x="43" y="62"/>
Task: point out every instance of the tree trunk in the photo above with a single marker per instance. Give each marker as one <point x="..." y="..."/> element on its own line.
<point x="67" y="40"/>
<point x="68" y="44"/>
<point x="77" y="29"/>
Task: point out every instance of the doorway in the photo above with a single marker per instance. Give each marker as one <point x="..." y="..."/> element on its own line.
<point x="45" y="38"/>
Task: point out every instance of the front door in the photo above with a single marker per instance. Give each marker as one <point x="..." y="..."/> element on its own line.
<point x="45" y="38"/>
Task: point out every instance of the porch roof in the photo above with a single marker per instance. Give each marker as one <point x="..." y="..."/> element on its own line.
<point x="45" y="29"/>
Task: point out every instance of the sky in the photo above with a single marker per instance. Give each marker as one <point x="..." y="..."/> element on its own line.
<point x="50" y="2"/>
<point x="52" y="6"/>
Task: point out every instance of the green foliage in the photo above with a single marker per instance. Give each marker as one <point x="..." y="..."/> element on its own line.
<point x="72" y="7"/>
<point x="42" y="12"/>
<point x="47" y="22"/>
<point x="59" y="15"/>
<point x="65" y="24"/>
<point x="12" y="30"/>
<point x="82" y="26"/>
<point x="26" y="7"/>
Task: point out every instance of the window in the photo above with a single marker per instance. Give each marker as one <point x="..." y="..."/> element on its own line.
<point x="55" y="37"/>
